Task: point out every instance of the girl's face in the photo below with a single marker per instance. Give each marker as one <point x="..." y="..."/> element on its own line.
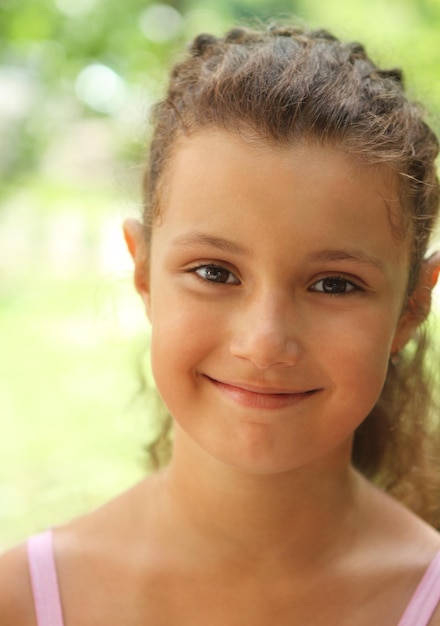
<point x="275" y="292"/>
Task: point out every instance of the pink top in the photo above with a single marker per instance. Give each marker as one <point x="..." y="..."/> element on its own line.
<point x="44" y="580"/>
<point x="48" y="605"/>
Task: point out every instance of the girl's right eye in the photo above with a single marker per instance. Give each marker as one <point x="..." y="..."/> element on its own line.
<point x="215" y="274"/>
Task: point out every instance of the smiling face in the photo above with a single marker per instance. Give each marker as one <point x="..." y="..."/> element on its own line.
<point x="275" y="290"/>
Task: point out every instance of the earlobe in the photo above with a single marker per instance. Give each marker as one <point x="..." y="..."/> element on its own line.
<point x="419" y="303"/>
<point x="135" y="239"/>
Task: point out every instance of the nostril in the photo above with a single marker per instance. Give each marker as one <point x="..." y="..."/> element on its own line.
<point x="266" y="349"/>
<point x="267" y="328"/>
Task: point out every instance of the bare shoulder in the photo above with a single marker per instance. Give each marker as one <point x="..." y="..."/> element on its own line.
<point x="16" y="603"/>
<point x="395" y="525"/>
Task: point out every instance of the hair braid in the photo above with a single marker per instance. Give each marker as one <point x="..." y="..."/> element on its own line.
<point x="285" y="85"/>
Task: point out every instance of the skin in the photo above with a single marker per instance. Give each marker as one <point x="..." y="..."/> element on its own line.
<point x="275" y="289"/>
<point x="274" y="328"/>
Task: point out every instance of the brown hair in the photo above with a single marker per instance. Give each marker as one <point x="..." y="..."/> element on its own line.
<point x="286" y="85"/>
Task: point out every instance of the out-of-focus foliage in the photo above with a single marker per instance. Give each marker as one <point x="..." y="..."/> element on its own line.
<point x="62" y="60"/>
<point x="77" y="78"/>
<point x="402" y="32"/>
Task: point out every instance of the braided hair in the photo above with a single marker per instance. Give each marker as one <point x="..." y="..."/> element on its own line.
<point x="285" y="85"/>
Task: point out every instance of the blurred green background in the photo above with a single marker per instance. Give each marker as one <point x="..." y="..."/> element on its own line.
<point x="77" y="79"/>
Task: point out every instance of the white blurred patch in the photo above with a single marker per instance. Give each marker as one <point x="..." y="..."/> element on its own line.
<point x="160" y="23"/>
<point x="17" y="93"/>
<point x="101" y="88"/>
<point x="78" y="7"/>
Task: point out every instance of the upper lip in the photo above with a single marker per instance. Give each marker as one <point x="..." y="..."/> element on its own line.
<point x="256" y="388"/>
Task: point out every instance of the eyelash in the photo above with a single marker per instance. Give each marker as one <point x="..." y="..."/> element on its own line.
<point x="353" y="287"/>
<point x="348" y="285"/>
<point x="215" y="269"/>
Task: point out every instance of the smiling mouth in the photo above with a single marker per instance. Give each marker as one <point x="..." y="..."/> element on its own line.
<point x="261" y="397"/>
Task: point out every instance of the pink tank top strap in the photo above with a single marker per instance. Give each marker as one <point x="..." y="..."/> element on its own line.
<point x="48" y="605"/>
<point x="44" y="580"/>
<point x="426" y="597"/>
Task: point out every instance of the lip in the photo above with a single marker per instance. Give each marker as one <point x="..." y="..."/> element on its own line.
<point x="253" y="396"/>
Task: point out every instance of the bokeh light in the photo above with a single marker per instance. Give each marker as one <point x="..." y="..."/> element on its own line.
<point x="101" y="88"/>
<point x="77" y="80"/>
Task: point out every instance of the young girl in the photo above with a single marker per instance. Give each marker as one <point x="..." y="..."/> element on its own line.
<point x="282" y="262"/>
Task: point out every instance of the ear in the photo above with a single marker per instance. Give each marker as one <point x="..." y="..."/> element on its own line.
<point x="419" y="303"/>
<point x="134" y="236"/>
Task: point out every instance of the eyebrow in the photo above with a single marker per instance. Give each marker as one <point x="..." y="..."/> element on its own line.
<point x="197" y="238"/>
<point x="357" y="256"/>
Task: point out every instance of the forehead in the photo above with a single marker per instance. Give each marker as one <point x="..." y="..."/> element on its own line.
<point x="218" y="179"/>
<point x="226" y="150"/>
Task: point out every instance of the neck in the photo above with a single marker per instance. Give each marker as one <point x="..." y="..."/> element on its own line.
<point x="305" y="514"/>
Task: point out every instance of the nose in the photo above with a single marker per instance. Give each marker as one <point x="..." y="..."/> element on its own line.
<point x="267" y="332"/>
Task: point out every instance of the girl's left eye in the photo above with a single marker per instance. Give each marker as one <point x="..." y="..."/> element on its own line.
<point x="334" y="285"/>
<point x="216" y="274"/>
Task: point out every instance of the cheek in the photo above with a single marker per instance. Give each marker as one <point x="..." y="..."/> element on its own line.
<point x="169" y="358"/>
<point x="359" y="365"/>
<point x="181" y="338"/>
<point x="180" y="330"/>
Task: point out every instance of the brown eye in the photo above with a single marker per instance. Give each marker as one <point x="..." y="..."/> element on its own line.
<point x="216" y="274"/>
<point x="334" y="285"/>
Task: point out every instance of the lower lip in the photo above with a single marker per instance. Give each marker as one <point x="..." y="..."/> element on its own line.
<point x="257" y="400"/>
